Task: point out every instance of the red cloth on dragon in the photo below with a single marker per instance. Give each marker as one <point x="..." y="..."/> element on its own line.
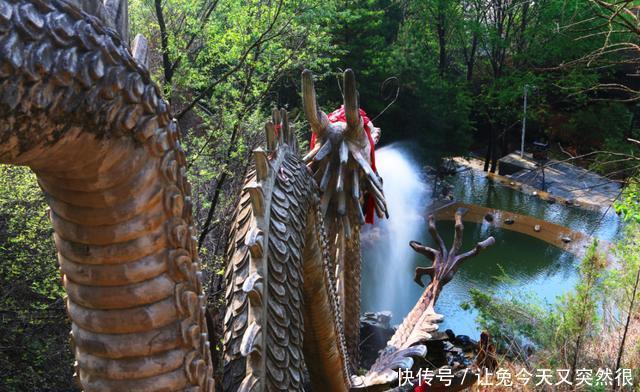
<point x="339" y="116"/>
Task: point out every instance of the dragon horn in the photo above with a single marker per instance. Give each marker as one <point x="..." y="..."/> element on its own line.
<point x="316" y="117"/>
<point x="351" y="102"/>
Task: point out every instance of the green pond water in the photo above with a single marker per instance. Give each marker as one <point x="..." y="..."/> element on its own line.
<point x="533" y="265"/>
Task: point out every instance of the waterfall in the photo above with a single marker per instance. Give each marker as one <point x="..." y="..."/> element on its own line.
<point x="388" y="259"/>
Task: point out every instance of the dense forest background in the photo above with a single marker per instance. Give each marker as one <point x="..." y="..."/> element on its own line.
<point x="448" y="75"/>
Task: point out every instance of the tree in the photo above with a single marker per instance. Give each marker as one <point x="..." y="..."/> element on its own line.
<point x="625" y="281"/>
<point x="222" y="64"/>
<point x="33" y="320"/>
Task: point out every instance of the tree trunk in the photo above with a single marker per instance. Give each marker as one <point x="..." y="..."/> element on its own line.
<point x="494" y="159"/>
<point x="472" y="57"/>
<point x="164" y="42"/>
<point x="442" y="40"/>
<point x="206" y="228"/>
<point x="524" y="20"/>
<point x="625" y="332"/>
<point x="489" y="154"/>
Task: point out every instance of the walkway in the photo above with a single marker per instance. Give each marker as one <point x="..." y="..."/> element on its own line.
<point x="563" y="182"/>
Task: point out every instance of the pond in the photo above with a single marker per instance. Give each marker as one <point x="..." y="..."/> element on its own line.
<point x="534" y="266"/>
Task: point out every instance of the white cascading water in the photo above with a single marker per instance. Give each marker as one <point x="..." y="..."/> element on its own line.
<point x="388" y="260"/>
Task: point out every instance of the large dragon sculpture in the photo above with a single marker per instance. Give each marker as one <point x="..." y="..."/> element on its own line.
<point x="79" y="108"/>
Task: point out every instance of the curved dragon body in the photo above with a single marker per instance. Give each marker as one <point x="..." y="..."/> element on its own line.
<point x="79" y="108"/>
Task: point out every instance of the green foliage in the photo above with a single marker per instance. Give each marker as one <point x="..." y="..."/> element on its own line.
<point x="622" y="286"/>
<point x="578" y="311"/>
<point x="462" y="68"/>
<point x="26" y="231"/>
<point x="35" y="353"/>
<point x="382" y="39"/>
<point x="629" y="206"/>
<point x="514" y="320"/>
<point x="240" y="58"/>
<point x="621" y="276"/>
<point x="436" y="109"/>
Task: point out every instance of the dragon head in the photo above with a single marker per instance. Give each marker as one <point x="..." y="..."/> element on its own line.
<point x="341" y="157"/>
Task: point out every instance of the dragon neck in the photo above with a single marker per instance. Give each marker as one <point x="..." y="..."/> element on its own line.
<point x="282" y="305"/>
<point x="80" y="112"/>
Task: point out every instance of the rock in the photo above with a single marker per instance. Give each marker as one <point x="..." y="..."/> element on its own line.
<point x="529" y="349"/>
<point x="537" y="228"/>
<point x="437" y="355"/>
<point x="448" y="166"/>
<point x="407" y="387"/>
<point x="378" y="319"/>
<point x="440" y="336"/>
<point x="448" y="351"/>
<point x="450" y="334"/>
<point x="462" y="339"/>
<point x="447" y="379"/>
<point x="384" y="318"/>
<point x="459" y="357"/>
<point x="430" y="169"/>
<point x="465" y="342"/>
<point x="375" y="332"/>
